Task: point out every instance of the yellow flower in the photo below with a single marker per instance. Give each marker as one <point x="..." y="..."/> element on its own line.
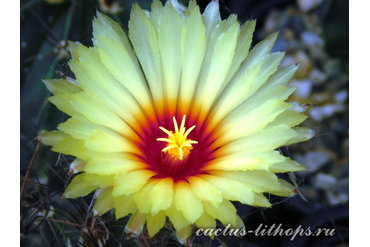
<point x="179" y="125"/>
<point x="110" y="6"/>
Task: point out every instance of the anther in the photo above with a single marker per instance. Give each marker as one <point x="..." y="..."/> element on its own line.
<point x="178" y="146"/>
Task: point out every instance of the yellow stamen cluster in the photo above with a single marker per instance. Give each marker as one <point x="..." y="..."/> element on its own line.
<point x="178" y="145"/>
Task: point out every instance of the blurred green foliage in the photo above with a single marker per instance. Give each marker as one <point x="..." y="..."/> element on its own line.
<point x="336" y="31"/>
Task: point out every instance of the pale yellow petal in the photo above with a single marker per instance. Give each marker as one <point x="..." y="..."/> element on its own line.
<point x="185" y="200"/>
<point x="242" y="47"/>
<point x="274" y="88"/>
<point x="94" y="77"/>
<point x="192" y="5"/>
<point x="206" y="221"/>
<point x="211" y="18"/>
<point x="97" y="112"/>
<point x="286" y="166"/>
<point x="79" y="187"/>
<point x="61" y="86"/>
<point x="244" y="161"/>
<point x="116" y="60"/>
<point x="71" y="146"/>
<point x="231" y="189"/>
<point x="261" y="201"/>
<point x="204" y="190"/>
<point x="142" y="196"/>
<point x="177" y="218"/>
<point x="234" y="94"/>
<point x="194" y="51"/>
<point x="303" y="134"/>
<point x="224" y="212"/>
<point x="105" y="26"/>
<point x="104" y="142"/>
<point x="161" y="195"/>
<point x="155" y="13"/>
<point x="147" y="50"/>
<point x="117" y="56"/>
<point x="257" y="180"/>
<point x="102" y="181"/>
<point x="62" y="102"/>
<point x="288" y="117"/>
<point x="124" y="205"/>
<point x="81" y="53"/>
<point x="79" y="127"/>
<point x="77" y="166"/>
<point x="269" y="64"/>
<point x="155" y="222"/>
<point x="115" y="163"/>
<point x="238" y="224"/>
<point x="281" y="76"/>
<point x="131" y="182"/>
<point x="104" y="202"/>
<point x="258" y="55"/>
<point x="261" y="49"/>
<point x="170" y="31"/>
<point x="262" y="141"/>
<point x="184" y="234"/>
<point x="216" y="65"/>
<point x="249" y="123"/>
<point x="51" y="138"/>
<point x="286" y="189"/>
<point x="135" y="224"/>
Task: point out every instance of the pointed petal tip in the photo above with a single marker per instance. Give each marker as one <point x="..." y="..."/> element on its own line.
<point x="183" y="235"/>
<point x="272" y="37"/>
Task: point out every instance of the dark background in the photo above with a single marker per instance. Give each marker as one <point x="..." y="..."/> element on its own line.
<point x="316" y="37"/>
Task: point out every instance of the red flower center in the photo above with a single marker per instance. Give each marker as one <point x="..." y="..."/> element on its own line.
<point x="176" y="152"/>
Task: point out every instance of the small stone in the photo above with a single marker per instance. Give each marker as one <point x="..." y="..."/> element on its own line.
<point x="317" y="76"/>
<point x="307" y="5"/>
<point x="313" y="160"/>
<point x="311" y="39"/>
<point x="325" y="181"/>
<point x="303" y="88"/>
<point x="341" y="97"/>
<point x="305" y="64"/>
<point x="322" y="112"/>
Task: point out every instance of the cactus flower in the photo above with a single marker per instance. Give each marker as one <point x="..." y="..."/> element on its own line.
<point x="178" y="120"/>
